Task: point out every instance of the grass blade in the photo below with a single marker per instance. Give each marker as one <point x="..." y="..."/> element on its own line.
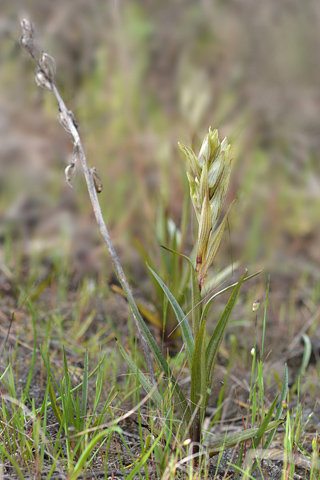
<point x="218" y="334"/>
<point x="143" y="379"/>
<point x="74" y="474"/>
<point x="73" y="389"/>
<point x="26" y="390"/>
<point x="53" y="399"/>
<point x="84" y="397"/>
<point x="264" y="424"/>
<point x="232" y="440"/>
<point x="144" y="458"/>
<point x="13" y="462"/>
<point x="278" y="413"/>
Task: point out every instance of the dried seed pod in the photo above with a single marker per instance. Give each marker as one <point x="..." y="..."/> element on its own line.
<point x="26" y="39"/>
<point x="42" y="81"/>
<point x="48" y="65"/>
<point x="96" y="180"/>
<point x="27" y="27"/>
<point x="70" y="171"/>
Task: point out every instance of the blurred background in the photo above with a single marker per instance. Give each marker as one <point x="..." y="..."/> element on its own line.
<point x="141" y="76"/>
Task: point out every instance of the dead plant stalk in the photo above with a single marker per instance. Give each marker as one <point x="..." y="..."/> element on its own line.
<point x="45" y="79"/>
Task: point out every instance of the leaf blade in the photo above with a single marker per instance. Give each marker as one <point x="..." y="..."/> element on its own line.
<point x="217" y="336"/>
<point x="182" y="321"/>
<point x="198" y="383"/>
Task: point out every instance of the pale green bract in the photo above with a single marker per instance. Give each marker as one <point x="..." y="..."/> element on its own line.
<point x="208" y="190"/>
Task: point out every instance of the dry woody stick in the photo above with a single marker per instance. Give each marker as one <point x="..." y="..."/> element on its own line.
<point x="44" y="77"/>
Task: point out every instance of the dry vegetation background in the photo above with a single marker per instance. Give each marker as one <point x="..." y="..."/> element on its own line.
<point x="141" y="76"/>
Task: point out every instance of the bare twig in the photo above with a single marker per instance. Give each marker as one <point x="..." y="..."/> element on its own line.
<point x="45" y="79"/>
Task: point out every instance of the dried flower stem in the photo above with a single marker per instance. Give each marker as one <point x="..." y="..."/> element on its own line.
<point x="45" y="79"/>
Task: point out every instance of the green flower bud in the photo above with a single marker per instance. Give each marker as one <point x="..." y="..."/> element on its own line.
<point x="208" y="190"/>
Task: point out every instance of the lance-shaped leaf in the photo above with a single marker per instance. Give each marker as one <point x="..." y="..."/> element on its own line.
<point x="195" y="292"/>
<point x="230" y="287"/>
<point x="218" y="334"/>
<point x="198" y="382"/>
<point x="182" y="320"/>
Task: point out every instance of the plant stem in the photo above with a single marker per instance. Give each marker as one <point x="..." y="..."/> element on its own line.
<point x="67" y="120"/>
<point x="100" y="221"/>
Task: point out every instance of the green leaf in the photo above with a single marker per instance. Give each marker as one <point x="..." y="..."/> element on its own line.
<point x="83" y="459"/>
<point x="67" y="395"/>
<point x="306" y="354"/>
<point x="208" y="303"/>
<point x="145" y="382"/>
<point x="47" y="364"/>
<point x="182" y="320"/>
<point x="196" y="303"/>
<point x="232" y="440"/>
<point x="31" y="369"/>
<point x="12" y="461"/>
<point x="196" y="295"/>
<point x="53" y="399"/>
<point x="55" y="383"/>
<point x="218" y="334"/>
<point x="198" y="383"/>
<point x="84" y="397"/>
<point x="264" y="424"/>
<point x="277" y="415"/>
<point x="144" y="458"/>
<point x="159" y="358"/>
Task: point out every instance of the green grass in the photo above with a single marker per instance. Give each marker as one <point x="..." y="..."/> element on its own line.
<point x="88" y="415"/>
